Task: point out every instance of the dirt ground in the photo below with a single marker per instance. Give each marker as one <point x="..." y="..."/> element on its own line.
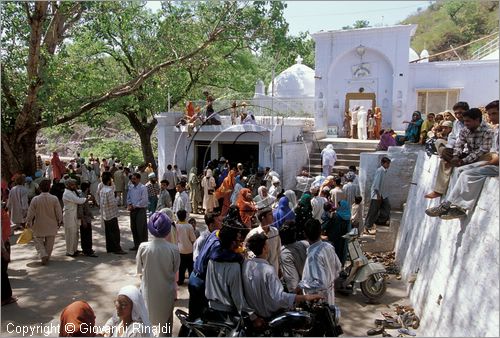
<point x="43" y="291"/>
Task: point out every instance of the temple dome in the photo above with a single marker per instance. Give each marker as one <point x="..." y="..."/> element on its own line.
<point x="413" y="55"/>
<point x="295" y="81"/>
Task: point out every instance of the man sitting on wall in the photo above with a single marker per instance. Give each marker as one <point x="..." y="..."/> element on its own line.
<point x="467" y="188"/>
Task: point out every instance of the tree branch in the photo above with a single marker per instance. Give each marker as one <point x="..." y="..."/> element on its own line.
<point x="134" y="84"/>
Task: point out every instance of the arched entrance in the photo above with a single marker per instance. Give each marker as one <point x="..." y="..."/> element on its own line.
<point x="355" y="79"/>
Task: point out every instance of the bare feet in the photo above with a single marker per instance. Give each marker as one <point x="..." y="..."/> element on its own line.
<point x="433" y="195"/>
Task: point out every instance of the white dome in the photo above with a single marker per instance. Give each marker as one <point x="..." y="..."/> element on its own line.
<point x="295" y="81"/>
<point x="413" y="55"/>
<point x="424" y="54"/>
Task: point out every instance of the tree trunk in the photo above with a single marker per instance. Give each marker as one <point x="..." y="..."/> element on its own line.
<point x="146" y="146"/>
<point x="18" y="156"/>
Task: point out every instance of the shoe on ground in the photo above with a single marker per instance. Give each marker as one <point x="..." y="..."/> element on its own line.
<point x="10" y="300"/>
<point x="454" y="212"/>
<point x="71" y="255"/>
<point x="376" y="331"/>
<point x="438" y="211"/>
<point x="407" y="332"/>
<point x="90" y="254"/>
<point x="45" y="260"/>
<point x="121" y="252"/>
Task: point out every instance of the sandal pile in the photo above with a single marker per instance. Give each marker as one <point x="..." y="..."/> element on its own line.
<point x="403" y="319"/>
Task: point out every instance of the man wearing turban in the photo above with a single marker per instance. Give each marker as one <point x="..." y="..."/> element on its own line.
<point x="157" y="264"/>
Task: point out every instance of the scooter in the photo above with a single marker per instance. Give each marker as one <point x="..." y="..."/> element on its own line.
<point x="361" y="271"/>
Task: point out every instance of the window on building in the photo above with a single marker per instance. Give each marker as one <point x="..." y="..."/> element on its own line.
<point x="436" y="100"/>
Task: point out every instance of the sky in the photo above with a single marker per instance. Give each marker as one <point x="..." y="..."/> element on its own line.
<point x="314" y="16"/>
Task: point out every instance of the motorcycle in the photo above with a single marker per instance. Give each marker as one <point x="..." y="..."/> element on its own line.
<point x="361" y="271"/>
<point x="310" y="319"/>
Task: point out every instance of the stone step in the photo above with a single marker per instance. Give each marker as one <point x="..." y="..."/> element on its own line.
<point x="348" y="150"/>
<point x="348" y="143"/>
<point x="317" y="156"/>
<point x="339" y="158"/>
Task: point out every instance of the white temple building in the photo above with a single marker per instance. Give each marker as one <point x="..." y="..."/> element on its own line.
<point x="368" y="66"/>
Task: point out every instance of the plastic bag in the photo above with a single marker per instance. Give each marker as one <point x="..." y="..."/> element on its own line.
<point x="25" y="237"/>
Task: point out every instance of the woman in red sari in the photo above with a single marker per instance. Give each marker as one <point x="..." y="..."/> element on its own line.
<point x="247" y="206"/>
<point x="225" y="190"/>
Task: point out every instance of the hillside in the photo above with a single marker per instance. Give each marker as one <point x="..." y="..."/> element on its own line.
<point x="453" y="22"/>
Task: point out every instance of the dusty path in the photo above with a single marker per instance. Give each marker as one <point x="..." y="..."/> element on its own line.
<point x="44" y="291"/>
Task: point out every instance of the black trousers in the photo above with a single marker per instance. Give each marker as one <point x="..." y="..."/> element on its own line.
<point x="138" y="225"/>
<point x="197" y="300"/>
<point x="172" y="194"/>
<point x="186" y="264"/>
<point x="378" y="212"/>
<point x="6" y="288"/>
<point x="86" y="238"/>
<point x="112" y="233"/>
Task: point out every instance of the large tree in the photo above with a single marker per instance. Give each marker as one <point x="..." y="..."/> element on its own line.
<point x="45" y="83"/>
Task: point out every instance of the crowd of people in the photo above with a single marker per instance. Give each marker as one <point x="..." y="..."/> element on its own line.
<point x="362" y="124"/>
<point x="259" y="242"/>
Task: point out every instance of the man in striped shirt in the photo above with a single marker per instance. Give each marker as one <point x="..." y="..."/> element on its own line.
<point x="322" y="262"/>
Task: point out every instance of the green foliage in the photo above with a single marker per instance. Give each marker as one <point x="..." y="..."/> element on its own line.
<point x="124" y="151"/>
<point x="358" y="24"/>
<point x="453" y="22"/>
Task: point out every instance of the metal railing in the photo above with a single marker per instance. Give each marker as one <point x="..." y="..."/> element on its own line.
<point x="486" y="49"/>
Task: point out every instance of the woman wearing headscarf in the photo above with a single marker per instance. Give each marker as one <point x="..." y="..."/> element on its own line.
<point x="292" y="199"/>
<point x="194" y="189"/>
<point x="336" y="226"/>
<point x="378" y="121"/>
<point x="131" y="318"/>
<point x="283" y="212"/>
<point x="303" y="213"/>
<point x="328" y="158"/>
<point x="263" y="199"/>
<point x="275" y="188"/>
<point x="386" y="140"/>
<point x="208" y="184"/>
<point x="225" y="191"/>
<point x="238" y="185"/>
<point x="247" y="206"/>
<point x="157" y="263"/>
<point x="412" y="133"/>
<point x="58" y="168"/>
<point x="77" y="320"/>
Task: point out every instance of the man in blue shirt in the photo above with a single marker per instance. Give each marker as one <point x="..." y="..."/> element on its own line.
<point x="137" y="201"/>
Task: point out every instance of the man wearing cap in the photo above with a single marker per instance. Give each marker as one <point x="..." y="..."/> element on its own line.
<point x="137" y="201"/>
<point x="70" y="217"/>
<point x="157" y="263"/>
<point x="153" y="192"/>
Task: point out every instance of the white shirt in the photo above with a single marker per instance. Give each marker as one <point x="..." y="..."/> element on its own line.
<point x="273" y="242"/>
<point x="181" y="202"/>
<point x="185" y="238"/>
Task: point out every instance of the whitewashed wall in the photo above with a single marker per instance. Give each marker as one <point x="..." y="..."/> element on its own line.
<point x="398" y="177"/>
<point x="457" y="260"/>
<point x="295" y="156"/>
<point x="478" y="80"/>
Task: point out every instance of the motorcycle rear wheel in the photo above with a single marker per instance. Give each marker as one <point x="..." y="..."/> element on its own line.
<point x="373" y="290"/>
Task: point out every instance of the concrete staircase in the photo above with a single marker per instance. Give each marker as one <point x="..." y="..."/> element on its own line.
<point x="347" y="150"/>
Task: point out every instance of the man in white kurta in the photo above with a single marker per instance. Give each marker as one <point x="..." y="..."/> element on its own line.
<point x="362" y="123"/>
<point x="158" y="262"/>
<point x="70" y="217"/>
<point x="328" y="158"/>
<point x="265" y="217"/>
<point x="322" y="262"/>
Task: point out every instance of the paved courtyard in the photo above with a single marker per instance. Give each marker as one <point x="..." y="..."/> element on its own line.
<point x="43" y="291"/>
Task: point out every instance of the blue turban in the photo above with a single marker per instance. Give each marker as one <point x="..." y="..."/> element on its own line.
<point x="38" y="173"/>
<point x="159" y="224"/>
